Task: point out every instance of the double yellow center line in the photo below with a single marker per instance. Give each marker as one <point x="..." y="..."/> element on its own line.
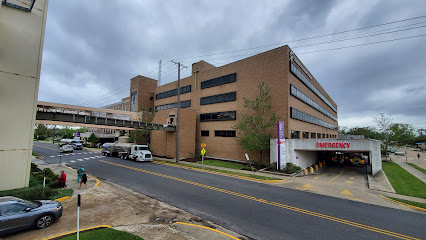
<point x="280" y="205"/>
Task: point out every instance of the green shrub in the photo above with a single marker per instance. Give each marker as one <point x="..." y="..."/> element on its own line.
<point x="248" y="168"/>
<point x="51" y="177"/>
<point x="291" y="168"/>
<point x="34" y="168"/>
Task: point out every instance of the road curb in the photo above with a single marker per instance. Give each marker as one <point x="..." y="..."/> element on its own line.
<point x="74" y="232"/>
<point x="213" y="232"/>
<point x="226" y="174"/>
<point x="407" y="205"/>
<point x="62" y="198"/>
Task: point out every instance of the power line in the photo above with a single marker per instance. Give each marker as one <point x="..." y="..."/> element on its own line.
<point x="303" y="39"/>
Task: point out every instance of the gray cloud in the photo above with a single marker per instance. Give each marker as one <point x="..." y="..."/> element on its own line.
<point x="92" y="48"/>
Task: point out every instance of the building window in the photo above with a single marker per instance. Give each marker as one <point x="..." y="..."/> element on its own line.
<point x="224" y="133"/>
<point x="295" y="70"/>
<point x="326" y="136"/>
<point x="299" y="115"/>
<point x="323" y="135"/>
<point x="226" y="97"/>
<point x="218" y="116"/>
<point x="313" y="135"/>
<point x="318" y="135"/>
<point x="304" y="98"/>
<point x="173" y="92"/>
<point x="205" y="133"/>
<point x="183" y="104"/>
<point x="26" y="6"/>
<point x="305" y="135"/>
<point x="134" y="96"/>
<point x="294" y="134"/>
<point x="219" y="81"/>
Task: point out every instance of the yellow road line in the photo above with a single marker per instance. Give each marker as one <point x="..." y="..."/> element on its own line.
<point x="81" y="230"/>
<point x="407" y="205"/>
<point x="280" y="205"/>
<point x="337" y="175"/>
<point x="46" y="147"/>
<point x="227" y="174"/>
<point x="211" y="229"/>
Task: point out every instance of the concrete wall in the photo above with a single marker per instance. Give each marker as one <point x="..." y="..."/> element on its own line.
<point x="21" y="41"/>
<point x="303" y="152"/>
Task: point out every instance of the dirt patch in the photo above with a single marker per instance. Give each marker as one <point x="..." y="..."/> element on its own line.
<point x="123" y="209"/>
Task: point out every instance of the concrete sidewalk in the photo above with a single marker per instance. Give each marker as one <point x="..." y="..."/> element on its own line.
<point x="412" y="158"/>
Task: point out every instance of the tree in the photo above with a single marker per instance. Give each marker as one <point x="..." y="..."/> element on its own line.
<point x="93" y="139"/>
<point x="384" y="123"/>
<point x="41" y="132"/>
<point x="254" y="125"/>
<point x="142" y="136"/>
<point x="402" y="133"/>
<point x="366" y="131"/>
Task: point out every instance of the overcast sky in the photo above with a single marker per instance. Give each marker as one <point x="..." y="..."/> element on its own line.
<point x="93" y="48"/>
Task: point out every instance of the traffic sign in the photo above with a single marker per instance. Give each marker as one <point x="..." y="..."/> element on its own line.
<point x="203" y="145"/>
<point x="203" y="151"/>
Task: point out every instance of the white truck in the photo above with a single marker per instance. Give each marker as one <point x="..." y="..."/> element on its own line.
<point x="131" y="151"/>
<point x="75" y="143"/>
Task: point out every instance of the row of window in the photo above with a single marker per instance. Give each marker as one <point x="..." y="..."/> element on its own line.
<point x="295" y="70"/>
<point x="226" y="97"/>
<point x="299" y="115"/>
<point x="218" y="116"/>
<point x="300" y="95"/>
<point x="219" y="133"/>
<point x="219" y="81"/>
<point x="305" y="135"/>
<point x="173" y="92"/>
<point x="183" y="104"/>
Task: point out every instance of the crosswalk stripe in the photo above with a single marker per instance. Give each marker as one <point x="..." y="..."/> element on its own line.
<point x="73" y="161"/>
<point x="80" y="160"/>
<point x="52" y="156"/>
<point x="86" y="158"/>
<point x="79" y="153"/>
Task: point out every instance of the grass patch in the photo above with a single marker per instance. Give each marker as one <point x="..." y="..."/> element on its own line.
<point x="36" y="155"/>
<point x="416" y="204"/>
<point x="404" y="182"/>
<point x="224" y="171"/>
<point x="104" y="234"/>
<point x="224" y="164"/>
<point x="417" y="167"/>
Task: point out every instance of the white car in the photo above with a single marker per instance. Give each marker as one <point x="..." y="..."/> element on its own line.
<point x="66" y="148"/>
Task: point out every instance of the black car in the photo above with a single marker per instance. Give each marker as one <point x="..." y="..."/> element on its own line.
<point x="17" y="214"/>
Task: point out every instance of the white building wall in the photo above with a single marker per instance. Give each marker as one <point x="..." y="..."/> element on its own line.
<point x="21" y="47"/>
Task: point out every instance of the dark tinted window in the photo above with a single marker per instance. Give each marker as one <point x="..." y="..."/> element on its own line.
<point x="183" y="104"/>
<point x="218" y="116"/>
<point x="224" y="133"/>
<point x="226" y="97"/>
<point x="204" y="133"/>
<point x="219" y="81"/>
<point x="173" y="92"/>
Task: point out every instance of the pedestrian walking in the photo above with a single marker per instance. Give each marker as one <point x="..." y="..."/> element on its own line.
<point x="418" y="156"/>
<point x="62" y="180"/>
<point x="80" y="173"/>
<point x="83" y="179"/>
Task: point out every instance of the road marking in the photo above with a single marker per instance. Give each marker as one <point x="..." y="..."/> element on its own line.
<point x="280" y="205"/>
<point x="73" y="161"/>
<point x="79" y="153"/>
<point x="337" y="175"/>
<point x="351" y="177"/>
<point x="92" y="157"/>
<point x="53" y="156"/>
<point x="349" y="182"/>
<point x="80" y="160"/>
<point x="86" y="158"/>
<point x="316" y="177"/>
<point x="46" y="147"/>
<point x="324" y="174"/>
<point x="305" y="187"/>
<point x="67" y="154"/>
<point x="349" y="195"/>
<point x="72" y="153"/>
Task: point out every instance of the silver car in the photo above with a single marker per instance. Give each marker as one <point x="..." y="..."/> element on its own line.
<point x="17" y="214"/>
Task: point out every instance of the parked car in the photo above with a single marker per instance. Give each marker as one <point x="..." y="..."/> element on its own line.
<point x="66" y="148"/>
<point x="399" y="152"/>
<point x="17" y="214"/>
<point x="358" y="159"/>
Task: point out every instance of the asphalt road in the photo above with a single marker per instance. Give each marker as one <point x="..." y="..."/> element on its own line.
<point x="256" y="210"/>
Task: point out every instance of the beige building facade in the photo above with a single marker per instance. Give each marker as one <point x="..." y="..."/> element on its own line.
<point x="216" y="95"/>
<point x="21" y="40"/>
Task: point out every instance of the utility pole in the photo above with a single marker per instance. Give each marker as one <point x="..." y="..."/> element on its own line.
<point x="178" y="115"/>
<point x="159" y="74"/>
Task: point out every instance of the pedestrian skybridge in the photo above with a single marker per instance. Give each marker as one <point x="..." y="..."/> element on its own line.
<point x="69" y="115"/>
